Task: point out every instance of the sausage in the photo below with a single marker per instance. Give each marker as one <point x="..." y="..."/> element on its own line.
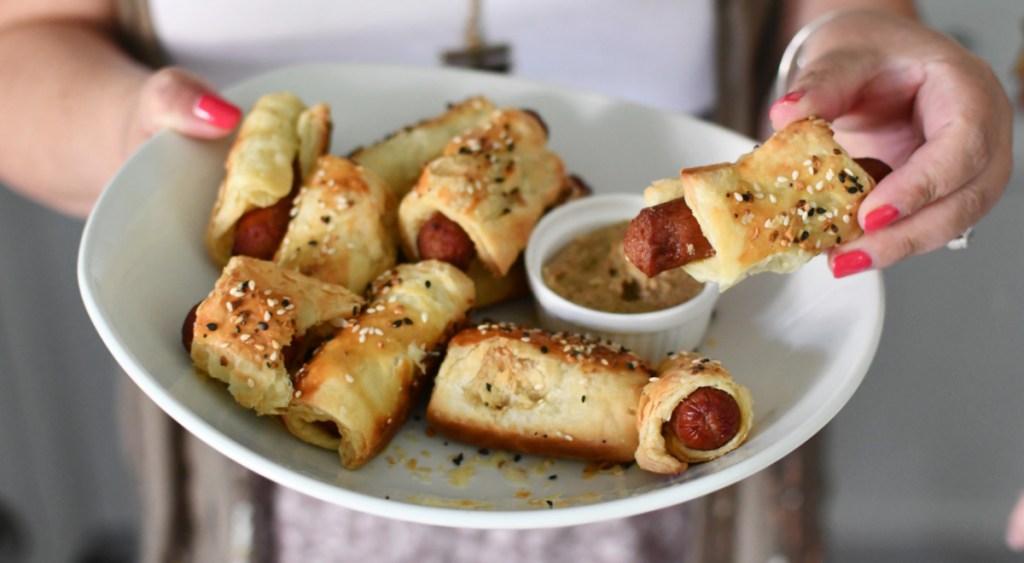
<point x="188" y="328"/>
<point x="664" y="237"/>
<point x="668" y="236"/>
<point x="706" y="420"/>
<point x="440" y="238"/>
<point x="573" y="187"/>
<point x="258" y="233"/>
<point x="874" y="167"/>
<point x="543" y="124"/>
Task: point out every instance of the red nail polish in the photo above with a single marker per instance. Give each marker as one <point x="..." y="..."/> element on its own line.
<point x="791" y="97"/>
<point x="217" y="111"/>
<point x="850" y="263"/>
<point x="880" y="217"/>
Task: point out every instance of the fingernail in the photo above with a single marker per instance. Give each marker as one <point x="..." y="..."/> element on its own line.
<point x="850" y="263"/>
<point x="880" y="217"/>
<point x="790" y="98"/>
<point x="217" y="111"/>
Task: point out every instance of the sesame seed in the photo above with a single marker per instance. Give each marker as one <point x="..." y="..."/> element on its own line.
<point x="772" y="198"/>
<point x="245" y="337"/>
<point x="349" y="378"/>
<point x="738" y="196"/>
<point x="250" y="383"/>
<point x="795" y="175"/>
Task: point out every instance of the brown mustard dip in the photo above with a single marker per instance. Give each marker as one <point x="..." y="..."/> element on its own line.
<point x="592" y="271"/>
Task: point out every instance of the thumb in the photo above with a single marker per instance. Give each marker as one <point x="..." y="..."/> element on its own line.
<point x="174" y="99"/>
<point x="827" y="87"/>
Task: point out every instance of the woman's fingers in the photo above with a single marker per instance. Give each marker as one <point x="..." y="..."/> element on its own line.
<point x="927" y="107"/>
<point x="928" y="229"/>
<point x="1015" y="527"/>
<point x="174" y="99"/>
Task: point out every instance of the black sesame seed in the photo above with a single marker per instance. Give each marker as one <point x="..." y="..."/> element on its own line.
<point x="457" y="460"/>
<point x="285" y="302"/>
<point x="851" y="189"/>
<point x="488" y="385"/>
<point x="552" y="477"/>
<point x="821" y="211"/>
<point x="804" y="235"/>
<point x="427" y="283"/>
<point x="262" y="325"/>
<point x="397" y="324"/>
<point x="583" y="399"/>
<point x="630" y="366"/>
<point x="517" y="457"/>
<point x="550" y="504"/>
<point x="211" y="326"/>
<point x="842" y="177"/>
<point x="325" y="218"/>
<point x="839" y="240"/>
<point x="484" y="451"/>
<point x="543" y="349"/>
<point x="311" y="243"/>
<point x="407" y="320"/>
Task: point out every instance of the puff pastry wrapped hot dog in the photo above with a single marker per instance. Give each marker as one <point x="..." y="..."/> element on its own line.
<point x="530" y="391"/>
<point x="257" y="317"/>
<point x="356" y="391"/>
<point x="772" y="210"/>
<point x="693" y="412"/>
<point x="344" y="225"/>
<point x="399" y="158"/>
<point x="277" y="143"/>
<point x="476" y="205"/>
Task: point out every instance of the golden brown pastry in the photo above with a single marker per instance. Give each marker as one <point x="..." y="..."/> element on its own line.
<point x="399" y="158"/>
<point x="491" y="186"/>
<point x="343" y="228"/>
<point x="530" y="391"/>
<point x="255" y="317"/>
<point x="773" y="209"/>
<point x="278" y="136"/>
<point x="693" y="412"/>
<point x="356" y="391"/>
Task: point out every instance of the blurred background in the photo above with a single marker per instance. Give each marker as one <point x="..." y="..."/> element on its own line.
<point x="923" y="464"/>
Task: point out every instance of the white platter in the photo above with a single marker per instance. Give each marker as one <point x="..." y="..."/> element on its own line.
<point x="802" y="343"/>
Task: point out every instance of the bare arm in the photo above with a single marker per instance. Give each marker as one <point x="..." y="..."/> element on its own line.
<point x="73" y="104"/>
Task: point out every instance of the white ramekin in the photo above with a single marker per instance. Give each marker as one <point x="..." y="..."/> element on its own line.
<point x="650" y="335"/>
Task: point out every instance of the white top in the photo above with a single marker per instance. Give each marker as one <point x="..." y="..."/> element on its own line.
<point x="656" y="52"/>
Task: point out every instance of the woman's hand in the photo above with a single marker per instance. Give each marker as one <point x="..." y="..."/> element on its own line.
<point x="78" y="105"/>
<point x="914" y="98"/>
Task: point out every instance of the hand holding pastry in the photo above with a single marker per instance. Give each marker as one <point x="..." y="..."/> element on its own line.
<point x="917" y="100"/>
